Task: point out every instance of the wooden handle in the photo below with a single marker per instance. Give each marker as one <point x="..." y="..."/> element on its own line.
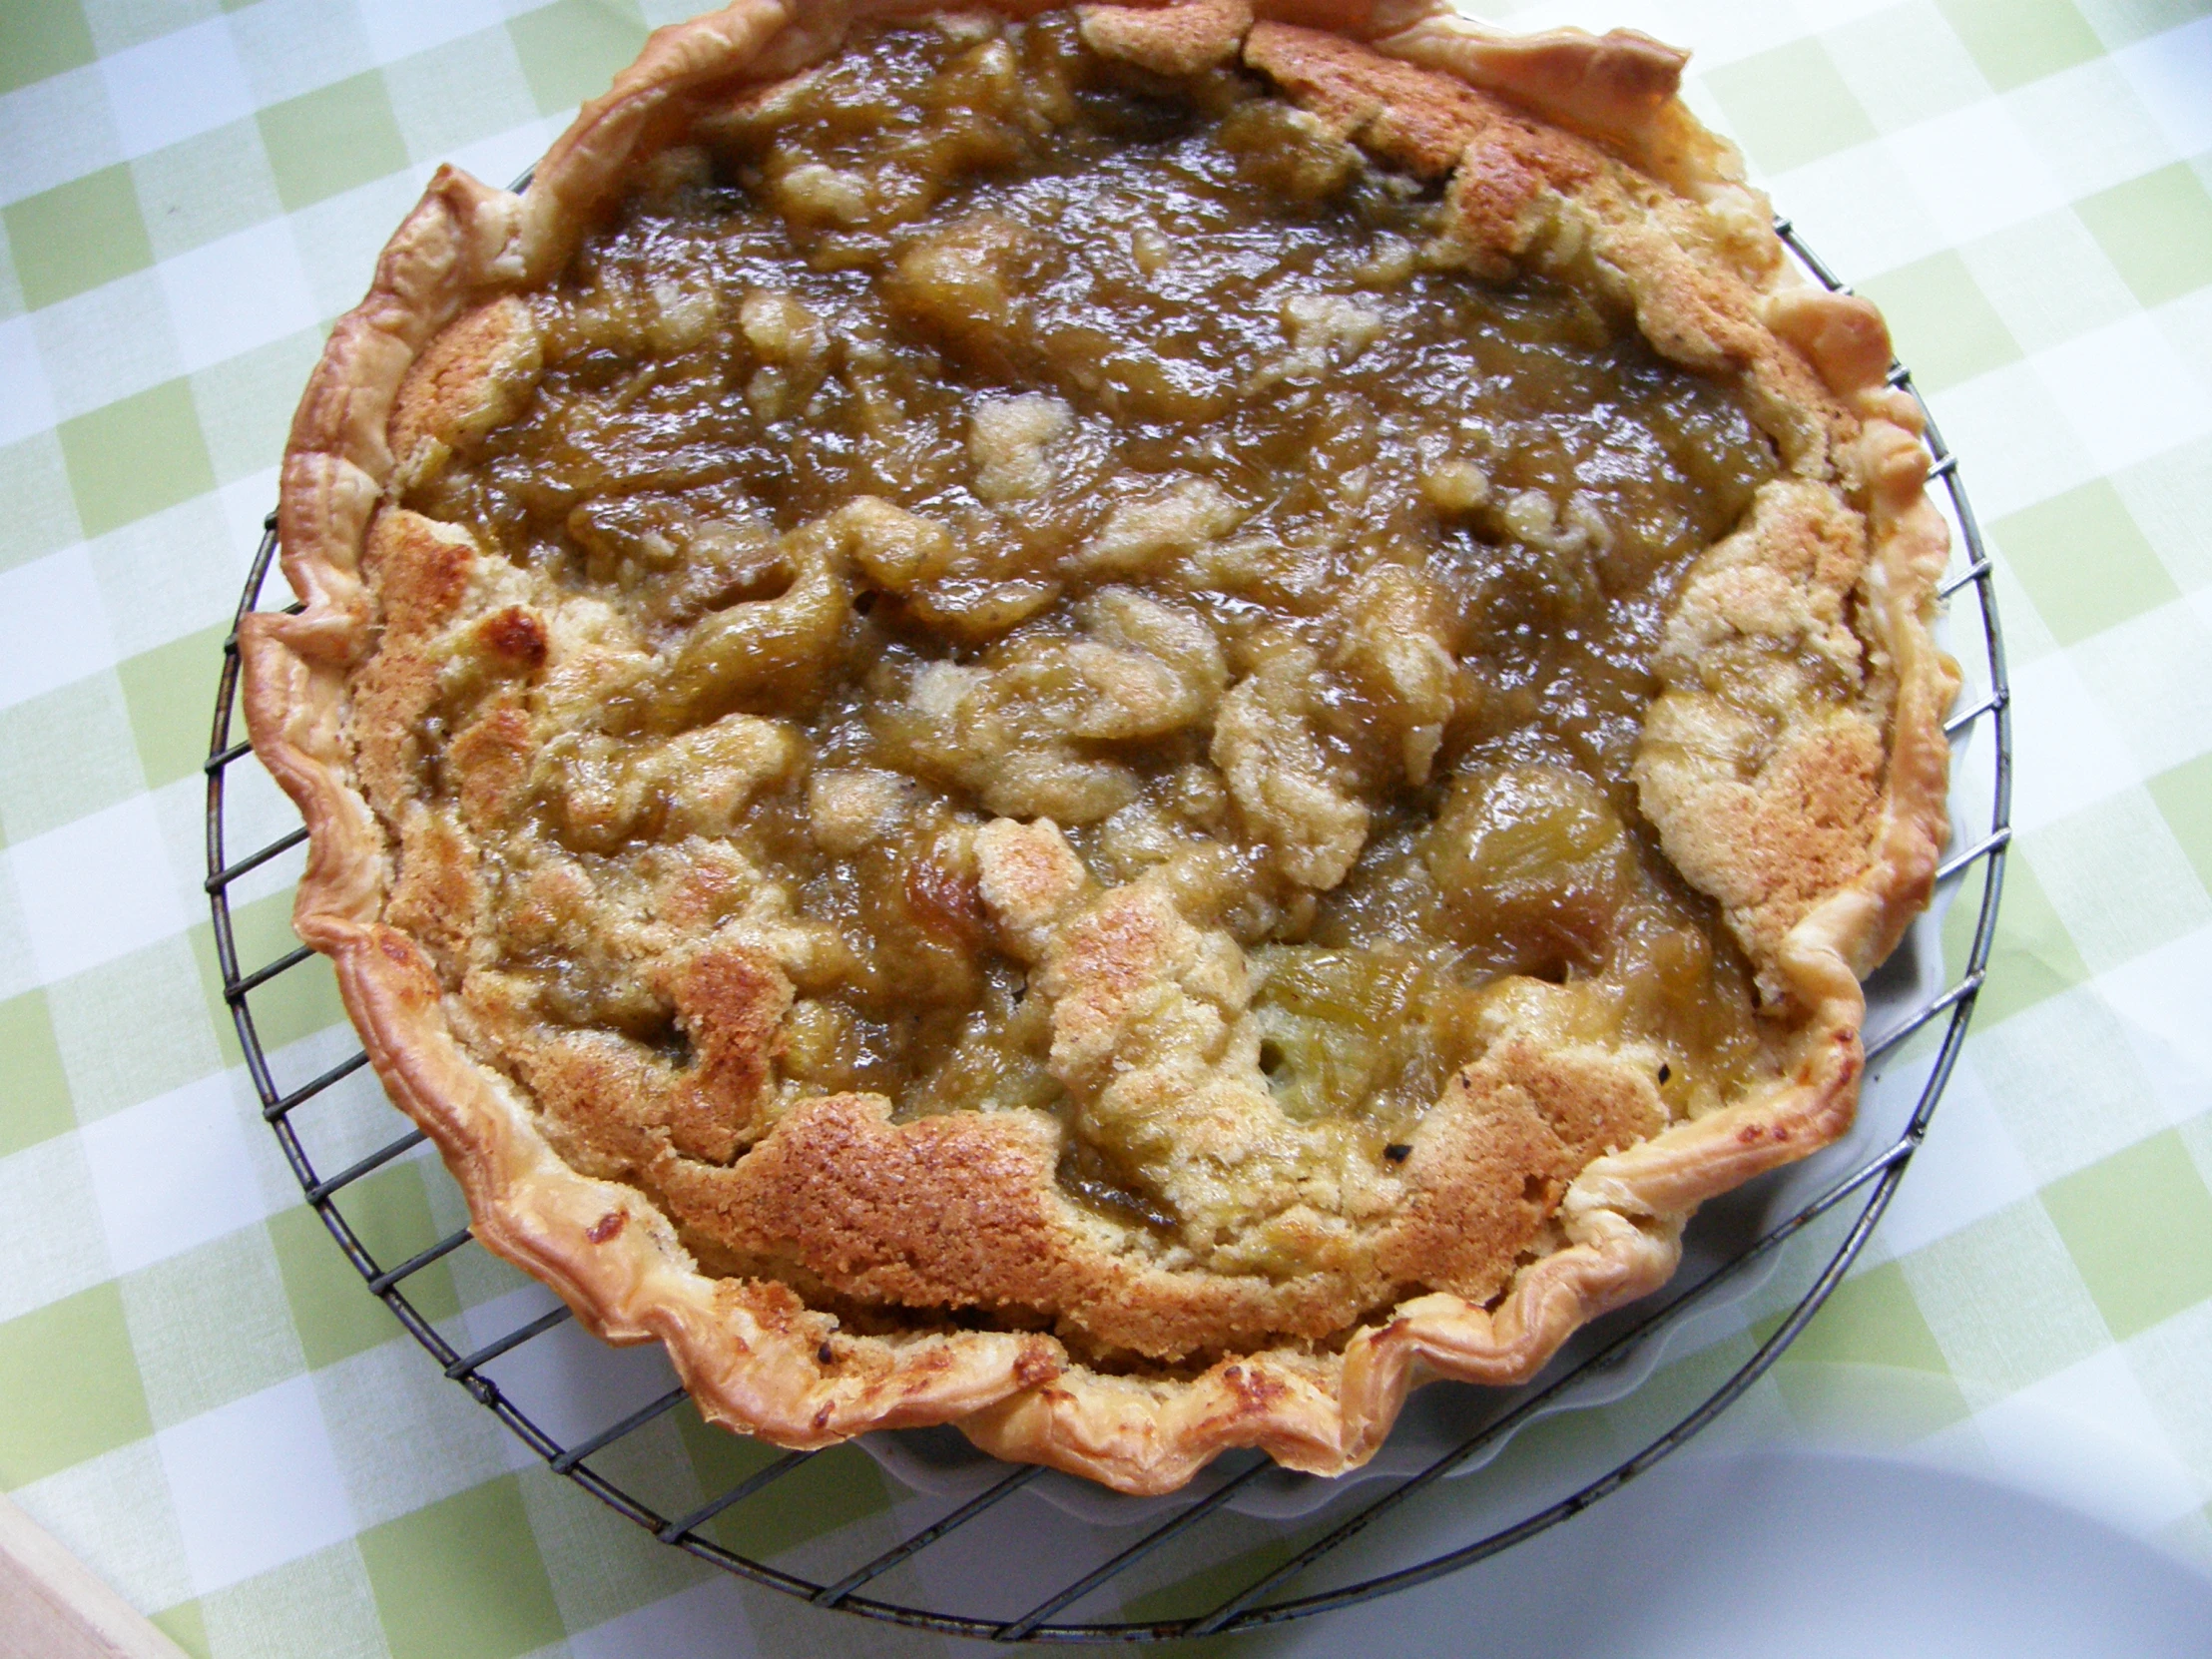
<point x="52" y="1606"/>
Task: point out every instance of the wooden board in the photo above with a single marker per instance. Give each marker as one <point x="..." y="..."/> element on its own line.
<point x="52" y="1607"/>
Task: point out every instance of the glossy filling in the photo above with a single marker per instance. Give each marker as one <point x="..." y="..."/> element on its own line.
<point x="980" y="430"/>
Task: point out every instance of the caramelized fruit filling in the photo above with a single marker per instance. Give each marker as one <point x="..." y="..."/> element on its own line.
<point x="977" y="429"/>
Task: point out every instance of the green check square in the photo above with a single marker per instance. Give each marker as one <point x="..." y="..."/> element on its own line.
<point x="2139" y="1228"/>
<point x="39" y="38"/>
<point x="2031" y="955"/>
<point x="332" y="1308"/>
<point x="12" y="302"/>
<point x="1870" y="1320"/>
<point x="65" y="755"/>
<point x="1790" y="106"/>
<point x="462" y="1576"/>
<point x="71" y="1381"/>
<point x="1943" y="325"/>
<point x="1669" y="1395"/>
<point x="296" y="1003"/>
<point x="2184" y="798"/>
<point x="77" y="236"/>
<point x="187" y="1626"/>
<point x="1203" y="1588"/>
<point x="332" y="139"/>
<point x="2017" y="40"/>
<point x="2083" y="561"/>
<point x="1870" y="1404"/>
<point x="2156" y="230"/>
<point x="38" y="1089"/>
<point x="572" y="49"/>
<point x="169" y="692"/>
<point x="135" y="457"/>
<point x="835" y="1489"/>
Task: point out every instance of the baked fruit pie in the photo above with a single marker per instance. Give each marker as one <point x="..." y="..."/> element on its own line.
<point x="1125" y="726"/>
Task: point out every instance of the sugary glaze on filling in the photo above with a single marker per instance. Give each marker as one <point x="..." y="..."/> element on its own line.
<point x="1010" y="584"/>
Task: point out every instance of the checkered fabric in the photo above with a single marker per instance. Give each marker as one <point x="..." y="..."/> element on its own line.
<point x="198" y="1396"/>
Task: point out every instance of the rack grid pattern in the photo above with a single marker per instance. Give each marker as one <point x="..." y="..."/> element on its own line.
<point x="1853" y="1203"/>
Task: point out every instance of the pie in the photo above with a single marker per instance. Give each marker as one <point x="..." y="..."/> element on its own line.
<point x="1124" y="725"/>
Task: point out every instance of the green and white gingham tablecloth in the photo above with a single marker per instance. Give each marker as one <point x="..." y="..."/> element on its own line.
<point x="195" y="1395"/>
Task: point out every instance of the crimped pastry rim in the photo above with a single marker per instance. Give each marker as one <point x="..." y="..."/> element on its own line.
<point x="748" y="1353"/>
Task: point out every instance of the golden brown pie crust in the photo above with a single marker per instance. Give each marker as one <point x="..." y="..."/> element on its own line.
<point x="1818" y="834"/>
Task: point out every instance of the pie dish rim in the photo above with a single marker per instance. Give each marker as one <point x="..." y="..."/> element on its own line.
<point x="749" y="1355"/>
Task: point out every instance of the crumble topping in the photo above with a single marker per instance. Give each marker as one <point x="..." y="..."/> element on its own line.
<point x="1005" y="582"/>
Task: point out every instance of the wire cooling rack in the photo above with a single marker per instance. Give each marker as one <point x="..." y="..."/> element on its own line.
<point x="1364" y="1538"/>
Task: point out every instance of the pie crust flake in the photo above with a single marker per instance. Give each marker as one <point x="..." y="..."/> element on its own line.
<point x="1124" y="725"/>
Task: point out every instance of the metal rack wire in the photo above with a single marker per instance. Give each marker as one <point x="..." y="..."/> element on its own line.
<point x="1270" y="1592"/>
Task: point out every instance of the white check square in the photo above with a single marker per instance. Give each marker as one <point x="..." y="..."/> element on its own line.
<point x="2089" y="129"/>
<point x="1966" y="1168"/>
<point x="53" y="626"/>
<point x="175" y="1171"/>
<point x="2129" y="395"/>
<point x="401" y="28"/>
<point x="175" y="86"/>
<point x="2066" y="753"/>
<point x="254" y="1484"/>
<point x="1974" y="170"/>
<point x="107" y="343"/>
<point x="2166" y="717"/>
<point x="289" y="47"/>
<point x="1858" y="210"/>
<point x="2158" y="998"/>
<point x="94" y="888"/>
<point x="237" y="292"/>
<point x="2087" y="1438"/>
<point x="403" y="1436"/>
<point x="55" y="129"/>
<point x="2171" y="73"/>
<point x="26" y="405"/>
<point x="2013" y="438"/>
<point x="66" y="1253"/>
<point x="141" y="1559"/>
